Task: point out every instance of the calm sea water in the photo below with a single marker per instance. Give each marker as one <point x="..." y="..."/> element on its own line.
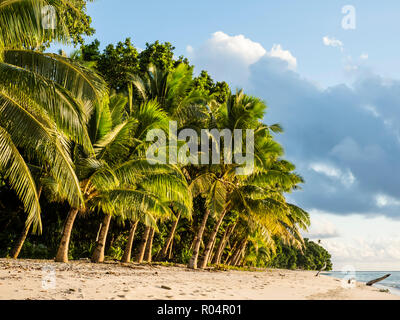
<point x="392" y="283"/>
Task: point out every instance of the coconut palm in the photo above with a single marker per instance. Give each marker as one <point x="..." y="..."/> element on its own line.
<point x="226" y="191"/>
<point x="44" y="102"/>
<point x="174" y="91"/>
<point x="116" y="180"/>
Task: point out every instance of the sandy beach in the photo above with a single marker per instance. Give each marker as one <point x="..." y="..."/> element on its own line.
<point x="78" y="280"/>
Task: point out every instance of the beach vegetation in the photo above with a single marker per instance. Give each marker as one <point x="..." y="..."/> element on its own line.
<point x="75" y="179"/>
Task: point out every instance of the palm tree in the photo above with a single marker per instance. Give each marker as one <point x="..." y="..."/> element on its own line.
<point x="226" y="191"/>
<point x="44" y="102"/>
<point x="177" y="97"/>
<point x="174" y="91"/>
<point x="116" y="180"/>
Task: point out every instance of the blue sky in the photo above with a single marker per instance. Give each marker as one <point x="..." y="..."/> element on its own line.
<point x="297" y="25"/>
<point x="336" y="92"/>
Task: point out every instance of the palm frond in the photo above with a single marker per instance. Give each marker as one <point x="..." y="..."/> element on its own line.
<point x="19" y="176"/>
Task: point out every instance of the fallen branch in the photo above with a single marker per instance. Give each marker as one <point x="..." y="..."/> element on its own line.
<point x="370" y="283"/>
<point x="322" y="269"/>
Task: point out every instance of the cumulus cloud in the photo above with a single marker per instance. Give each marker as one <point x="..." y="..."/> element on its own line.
<point x="346" y="178"/>
<point x="285" y="55"/>
<point x="321" y="228"/>
<point x="229" y="57"/>
<point x="365" y="243"/>
<point x="383" y="200"/>
<point x="344" y="140"/>
<point x="373" y="253"/>
<point x="332" y="42"/>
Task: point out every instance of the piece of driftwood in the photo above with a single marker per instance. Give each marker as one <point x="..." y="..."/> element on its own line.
<point x="370" y="283"/>
<point x="322" y="269"/>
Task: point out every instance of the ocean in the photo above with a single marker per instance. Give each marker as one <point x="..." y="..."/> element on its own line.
<point x="392" y="283"/>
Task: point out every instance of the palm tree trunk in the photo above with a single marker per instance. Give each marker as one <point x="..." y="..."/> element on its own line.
<point x="222" y="245"/>
<point x="193" y="242"/>
<point x="18" y="246"/>
<point x="98" y="253"/>
<point x="232" y="259"/>
<point x="213" y="235"/>
<point x="199" y="237"/>
<point x="234" y="248"/>
<point x="20" y="243"/>
<point x="211" y="255"/>
<point x="128" y="249"/>
<point x="62" y="252"/>
<point x="236" y="257"/>
<point x="143" y="244"/>
<point x="170" y="250"/>
<point x="240" y="255"/>
<point x="149" y="248"/>
<point x="163" y="253"/>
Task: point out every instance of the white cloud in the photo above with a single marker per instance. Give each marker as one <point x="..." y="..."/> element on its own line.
<point x="243" y="48"/>
<point x="285" y="55"/>
<point x="372" y="109"/>
<point x="326" y="170"/>
<point x="383" y="200"/>
<point x="365" y="253"/>
<point x="364" y="56"/>
<point x="366" y="244"/>
<point x="189" y="49"/>
<point x="347" y="178"/>
<point x="332" y="42"/>
<point x="229" y="57"/>
<point x="321" y="228"/>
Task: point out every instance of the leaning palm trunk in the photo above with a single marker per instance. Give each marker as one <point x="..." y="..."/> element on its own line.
<point x="199" y="237"/>
<point x="128" y="249"/>
<point x="211" y="241"/>
<point x="236" y="256"/>
<point x="143" y="245"/>
<point x="149" y="248"/>
<point x="164" y="252"/>
<point x="20" y="243"/>
<point x="211" y="255"/>
<point x="62" y="252"/>
<point x="170" y="250"/>
<point x="222" y="244"/>
<point x="240" y="257"/>
<point x="98" y="253"/>
<point x="232" y="253"/>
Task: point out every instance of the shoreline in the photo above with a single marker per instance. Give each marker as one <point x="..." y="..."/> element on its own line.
<point x="82" y="280"/>
<point x="393" y="290"/>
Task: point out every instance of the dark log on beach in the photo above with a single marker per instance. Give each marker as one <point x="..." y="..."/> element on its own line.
<point x="370" y="283"/>
<point x="322" y="269"/>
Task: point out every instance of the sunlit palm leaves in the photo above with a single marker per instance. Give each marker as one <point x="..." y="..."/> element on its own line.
<point x="45" y="100"/>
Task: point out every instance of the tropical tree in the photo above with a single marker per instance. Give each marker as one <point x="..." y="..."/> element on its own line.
<point x="117" y="180"/>
<point x="249" y="195"/>
<point x="44" y="102"/>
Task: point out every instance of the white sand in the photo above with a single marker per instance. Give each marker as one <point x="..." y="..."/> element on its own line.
<point x="22" y="279"/>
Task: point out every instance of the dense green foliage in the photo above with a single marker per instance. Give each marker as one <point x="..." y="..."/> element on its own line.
<point x="312" y="257"/>
<point x="77" y="22"/>
<point x="73" y="157"/>
<point x="117" y="63"/>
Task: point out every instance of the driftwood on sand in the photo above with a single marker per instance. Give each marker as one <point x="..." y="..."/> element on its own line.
<point x="370" y="283"/>
<point x="322" y="269"/>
